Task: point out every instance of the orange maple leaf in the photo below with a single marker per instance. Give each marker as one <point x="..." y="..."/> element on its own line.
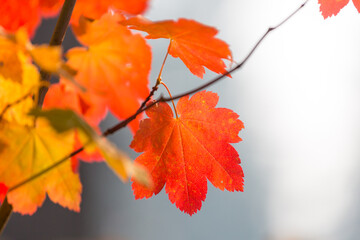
<point x="28" y="13"/>
<point x="194" y="43"/>
<point x="94" y="9"/>
<point x="184" y="152"/>
<point x="115" y="66"/>
<point x="91" y="107"/>
<point x="333" y="7"/>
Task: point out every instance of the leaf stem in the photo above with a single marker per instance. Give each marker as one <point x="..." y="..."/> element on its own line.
<point x="167" y="89"/>
<point x="144" y="107"/>
<point x="158" y="80"/>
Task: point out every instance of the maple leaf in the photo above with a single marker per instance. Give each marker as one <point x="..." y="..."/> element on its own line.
<point x="19" y="79"/>
<point x="31" y="150"/>
<point x="13" y="59"/>
<point x="94" y="9"/>
<point x="194" y="43"/>
<point x="26" y="13"/>
<point x="114" y="66"/>
<point x="333" y="7"/>
<point x="49" y="8"/>
<point x="119" y="162"/>
<point x="47" y="57"/>
<point x="91" y="107"/>
<point x="184" y="152"/>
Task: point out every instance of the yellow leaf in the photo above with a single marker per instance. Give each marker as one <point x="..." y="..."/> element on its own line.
<point x="119" y="162"/>
<point x="11" y="65"/>
<point x="47" y="57"/>
<point x="29" y="151"/>
<point x="18" y="78"/>
<point x="19" y="96"/>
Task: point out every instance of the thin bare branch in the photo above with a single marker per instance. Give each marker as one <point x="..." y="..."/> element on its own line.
<point x="56" y="40"/>
<point x="239" y="65"/>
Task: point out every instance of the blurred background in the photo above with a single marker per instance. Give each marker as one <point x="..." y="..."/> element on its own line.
<point x="299" y="98"/>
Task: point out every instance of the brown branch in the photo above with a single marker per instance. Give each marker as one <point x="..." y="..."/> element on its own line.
<point x="125" y="122"/>
<point x="144" y="107"/>
<point x="56" y="40"/>
<point x="5" y="214"/>
<point x="238" y="66"/>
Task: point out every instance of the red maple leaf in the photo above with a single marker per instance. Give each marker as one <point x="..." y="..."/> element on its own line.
<point x="333" y="7"/>
<point x="184" y="152"/>
<point x="91" y="107"/>
<point x="25" y="13"/>
<point x="194" y="43"/>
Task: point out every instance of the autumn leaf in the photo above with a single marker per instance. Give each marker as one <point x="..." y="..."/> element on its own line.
<point x="66" y="120"/>
<point x="91" y="107"/>
<point x="184" y="152"/>
<point x="194" y="43"/>
<point x="29" y="151"/>
<point x="94" y="9"/>
<point x="47" y="57"/>
<point x="49" y="8"/>
<point x="19" y="80"/>
<point x="28" y="14"/>
<point x="329" y="8"/>
<point x="115" y="65"/>
<point x="13" y="58"/>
